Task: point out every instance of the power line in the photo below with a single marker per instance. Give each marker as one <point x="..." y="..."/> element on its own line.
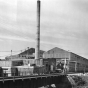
<point x="13" y="52"/>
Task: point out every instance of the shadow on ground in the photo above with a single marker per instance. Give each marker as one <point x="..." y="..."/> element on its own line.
<point x="65" y="84"/>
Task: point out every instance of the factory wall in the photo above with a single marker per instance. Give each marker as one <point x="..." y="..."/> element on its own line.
<point x="73" y="61"/>
<point x="56" y="53"/>
<point x="80" y="63"/>
<point x="11" y="63"/>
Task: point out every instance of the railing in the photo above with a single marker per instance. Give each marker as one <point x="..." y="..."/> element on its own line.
<point x="6" y="73"/>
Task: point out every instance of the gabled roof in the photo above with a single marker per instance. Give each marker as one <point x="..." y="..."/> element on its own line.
<point x="31" y="51"/>
<point x="56" y="48"/>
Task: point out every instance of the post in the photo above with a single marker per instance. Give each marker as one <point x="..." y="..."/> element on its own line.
<point x="68" y="59"/>
<point x="11" y="54"/>
<point x="65" y="63"/>
<point x="37" y="48"/>
<point x="75" y="66"/>
<point x="27" y="52"/>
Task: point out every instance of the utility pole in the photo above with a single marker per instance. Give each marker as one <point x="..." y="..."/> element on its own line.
<point x="11" y="54"/>
<point x="27" y="52"/>
<point x="37" y="48"/>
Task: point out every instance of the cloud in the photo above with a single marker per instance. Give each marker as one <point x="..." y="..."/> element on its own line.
<point x="63" y="23"/>
<point x="10" y="37"/>
<point x="26" y="39"/>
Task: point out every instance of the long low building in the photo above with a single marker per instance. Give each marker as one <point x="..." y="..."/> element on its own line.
<point x="74" y="62"/>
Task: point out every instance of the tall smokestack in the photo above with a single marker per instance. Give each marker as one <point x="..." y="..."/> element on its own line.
<point x="37" y="48"/>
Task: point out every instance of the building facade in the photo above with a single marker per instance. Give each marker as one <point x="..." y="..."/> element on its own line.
<point x="72" y="61"/>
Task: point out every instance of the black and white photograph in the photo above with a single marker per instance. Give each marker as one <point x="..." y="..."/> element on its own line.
<point x="43" y="43"/>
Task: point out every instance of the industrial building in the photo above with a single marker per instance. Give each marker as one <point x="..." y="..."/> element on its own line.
<point x="72" y="61"/>
<point x="26" y="57"/>
<point x="27" y="54"/>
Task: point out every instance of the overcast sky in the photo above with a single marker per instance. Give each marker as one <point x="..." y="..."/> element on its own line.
<point x="64" y="24"/>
